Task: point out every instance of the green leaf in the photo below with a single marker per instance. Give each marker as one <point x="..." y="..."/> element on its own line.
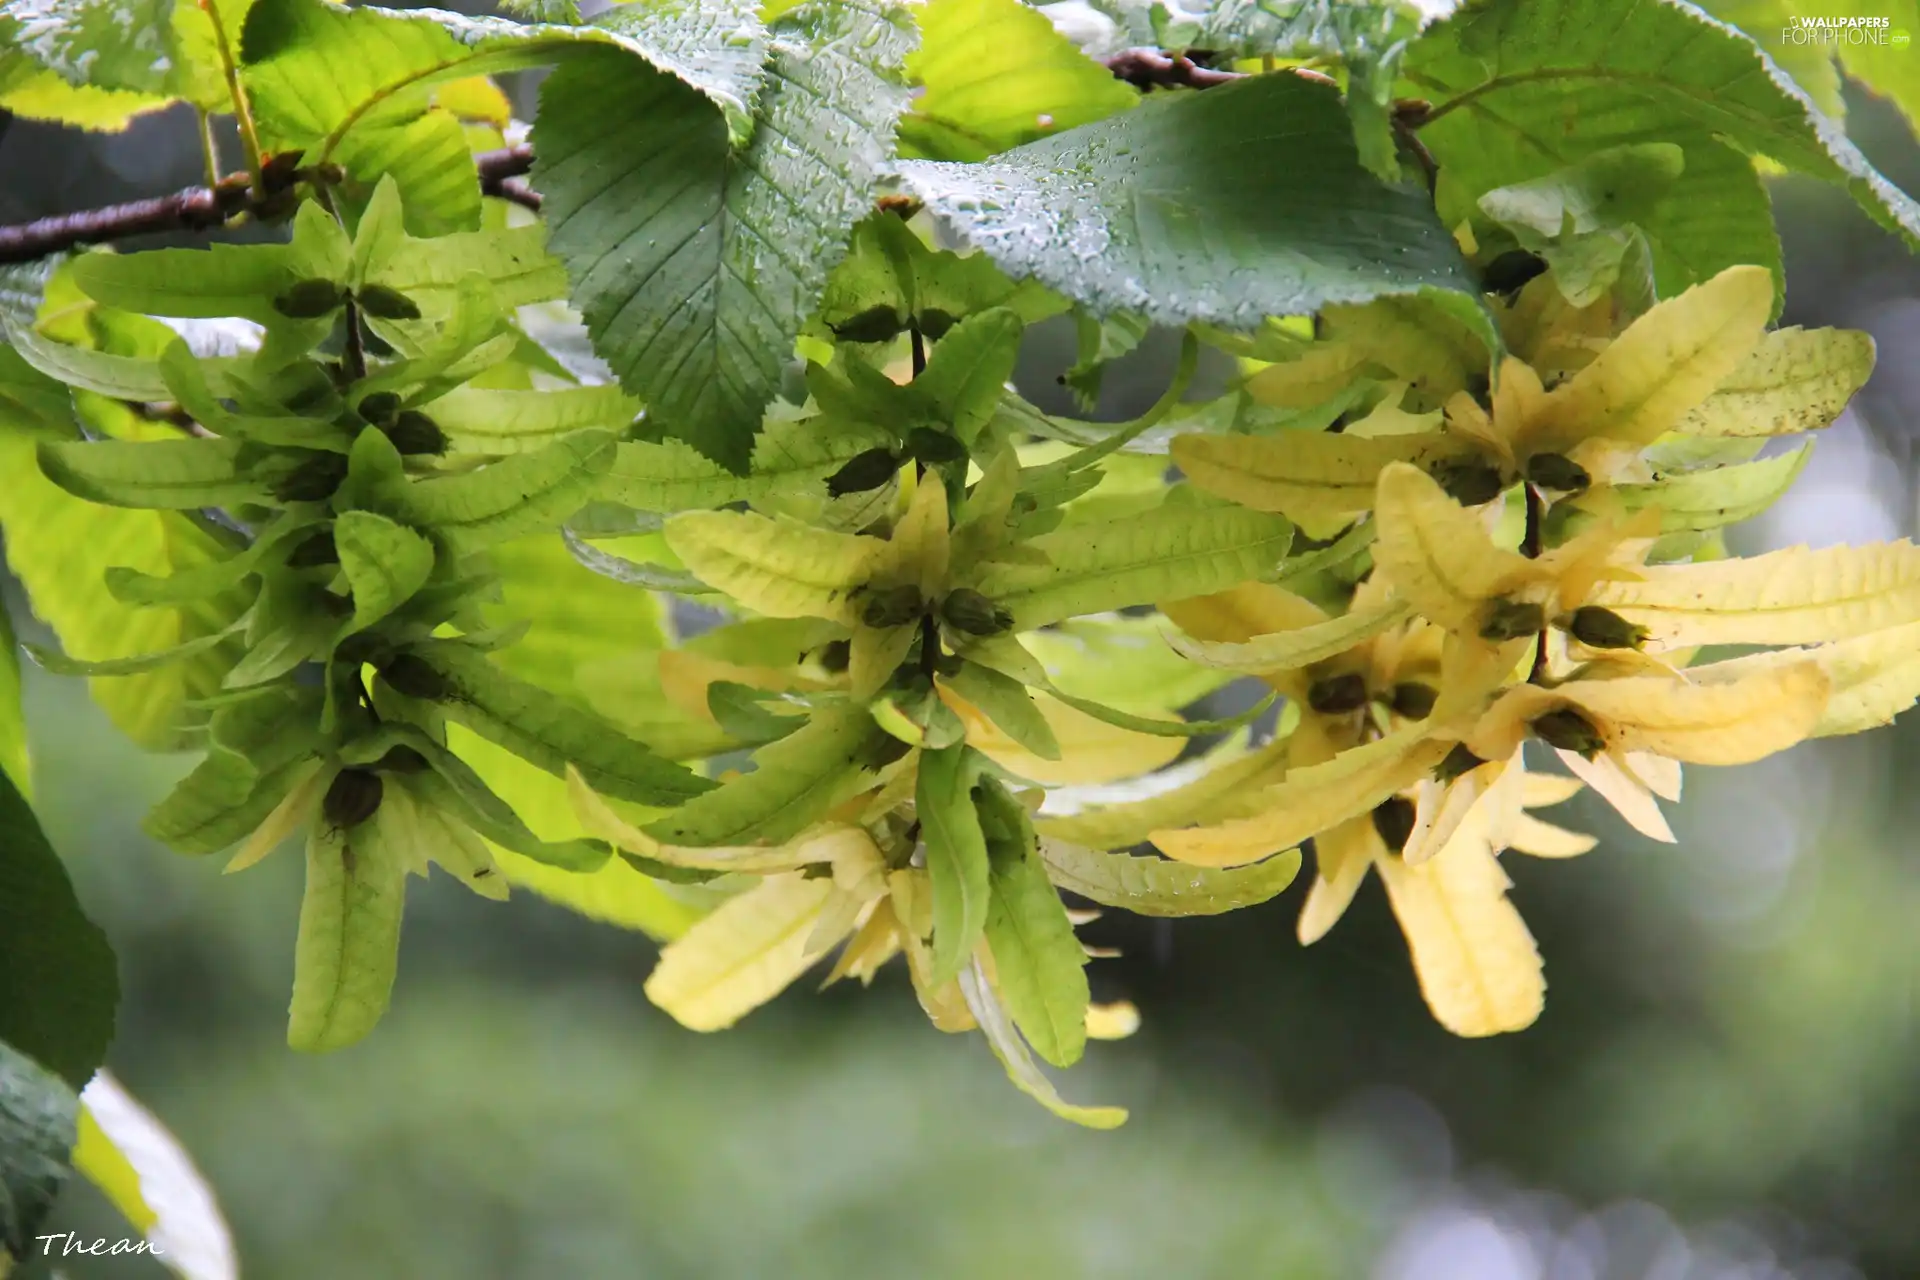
<point x="579" y="619"/>
<point x="1161" y="728"/>
<point x="513" y="260"/>
<point x="1037" y="961"/>
<point x="459" y="793"/>
<point x="1129" y="215"/>
<point x="349" y="942"/>
<point x="131" y="665"/>
<point x="553" y="733"/>
<point x="32" y="92"/>
<point x="1611" y="188"/>
<point x="1795" y="380"/>
<point x="1154" y="886"/>
<point x="384" y="564"/>
<point x="1167" y="553"/>
<point x="1523" y="88"/>
<point x="258" y="750"/>
<point x="694" y="263"/>
<point x="32" y="399"/>
<point x="970" y="368"/>
<point x="61" y="546"/>
<point x="493" y="422"/>
<point x="220" y="280"/>
<point x="37" y="1129"/>
<point x="1126" y="661"/>
<point x="956" y="851"/>
<point x="788" y="457"/>
<point x="13" y="725"/>
<point x="996" y="74"/>
<point x="1227" y="790"/>
<point x="58" y="983"/>
<point x="889" y="266"/>
<point x="794" y="782"/>
<point x="1717" y="496"/>
<point x="1007" y="1046"/>
<point x="496" y="503"/>
<point x="1006" y="702"/>
<point x="100" y="44"/>
<point x="176" y="475"/>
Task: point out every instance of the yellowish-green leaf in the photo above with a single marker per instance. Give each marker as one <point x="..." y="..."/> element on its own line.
<point x="744" y="954"/>
<point x="778" y="567"/>
<point x="1437" y="553"/>
<point x="1037" y="960"/>
<point x="384" y="563"/>
<point x="1795" y="380"/>
<point x="1229" y="788"/>
<point x="1310" y="476"/>
<point x="1716" y="496"/>
<point x="1152" y="886"/>
<point x="349" y="942"/>
<point x="1007" y="1046"/>
<point x="1288" y="650"/>
<point x="956" y="852"/>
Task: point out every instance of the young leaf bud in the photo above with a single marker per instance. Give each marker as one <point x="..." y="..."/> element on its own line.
<point x="875" y="324"/>
<point x="413" y="433"/>
<point x="313" y="480"/>
<point x="934" y="323"/>
<point x="1503" y="619"/>
<point x="1413" y="699"/>
<point x="314" y="550"/>
<point x="309" y="299"/>
<point x="1458" y="761"/>
<point x="1599" y="628"/>
<point x="893" y="606"/>
<point x="863" y="472"/>
<point x="380" y="407"/>
<point x="1338" y="694"/>
<point x="352" y="798"/>
<point x="1393" y="819"/>
<point x="414" y="677"/>
<point x="1468" y="483"/>
<point x="1511" y="270"/>
<point x="382" y="303"/>
<point x="1568" y="730"/>
<point x="1558" y="472"/>
<point x="968" y="611"/>
<point x="934" y="447"/>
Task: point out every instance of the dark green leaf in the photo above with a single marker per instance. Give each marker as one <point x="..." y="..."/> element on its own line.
<point x="39" y="1123"/>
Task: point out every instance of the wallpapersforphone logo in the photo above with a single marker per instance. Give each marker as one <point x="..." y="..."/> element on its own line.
<point x="1844" y="32"/>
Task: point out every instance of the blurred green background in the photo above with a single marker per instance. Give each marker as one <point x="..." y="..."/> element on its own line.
<point x="1725" y="1085"/>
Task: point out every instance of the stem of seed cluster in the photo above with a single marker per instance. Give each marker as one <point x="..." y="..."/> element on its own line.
<point x="242" y="111"/>
<point x="1532" y="542"/>
<point x="208" y="150"/>
<point x="919" y="348"/>
<point x="929" y="641"/>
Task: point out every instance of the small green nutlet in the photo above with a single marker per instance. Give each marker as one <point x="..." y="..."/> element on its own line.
<point x="1339" y="694"/>
<point x="1393" y="819"/>
<point x="413" y="433"/>
<point x="836" y="655"/>
<point x="310" y="299"/>
<point x="1458" y="761"/>
<point x="313" y="480"/>
<point x="1413" y="699"/>
<point x="1568" y="730"/>
<point x="934" y="447"/>
<point x="893" y="607"/>
<point x="1471" y="484"/>
<point x="380" y="407"/>
<point x="1510" y="271"/>
<point x="383" y="303"/>
<point x="934" y="323"/>
<point x="1511" y="619"/>
<point x="313" y="551"/>
<point x="875" y="324"/>
<point x="401" y="760"/>
<point x="863" y="472"/>
<point x="1558" y="472"/>
<point x="414" y="677"/>
<point x="968" y="611"/>
<point x="1599" y="628"/>
<point x="352" y="798"/>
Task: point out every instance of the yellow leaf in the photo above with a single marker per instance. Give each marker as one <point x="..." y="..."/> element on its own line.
<point x="1311" y="477"/>
<point x="1229" y="788"/>
<point x="1668" y="361"/>
<point x="1544" y="840"/>
<point x="1629" y="796"/>
<point x="1322" y="372"/>
<point x="872" y="945"/>
<point x="919" y="549"/>
<point x="1342" y="856"/>
<point x="1873" y="678"/>
<point x="475" y="98"/>
<point x="748" y="951"/>
<point x="1114" y="1021"/>
<point x="1091" y="750"/>
<point x="1544" y="790"/>
<point x="288" y="817"/>
<point x="1792" y="596"/>
<point x="874" y="655"/>
<point x="776" y="566"/>
<point x="1478" y="966"/>
<point x="1795" y="380"/>
<point x="1734" y="722"/>
<point x="1301" y="647"/>
<point x="1310" y="800"/>
<point x="1438" y="554"/>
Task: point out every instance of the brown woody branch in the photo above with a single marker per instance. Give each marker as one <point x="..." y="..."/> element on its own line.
<point x="205" y="208"/>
